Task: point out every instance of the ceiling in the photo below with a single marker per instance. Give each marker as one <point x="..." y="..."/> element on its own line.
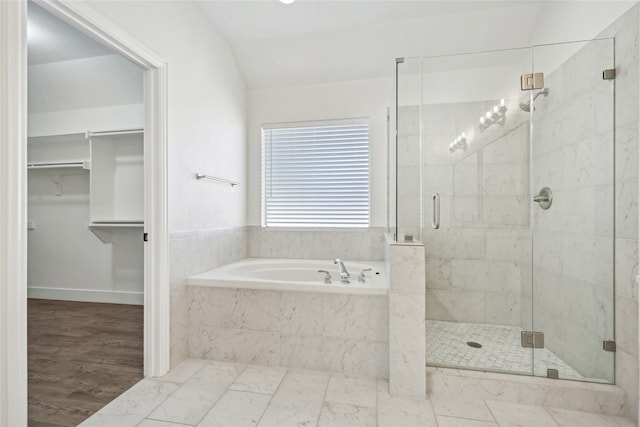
<point x="52" y="40"/>
<point x="262" y="19"/>
<point x="321" y="41"/>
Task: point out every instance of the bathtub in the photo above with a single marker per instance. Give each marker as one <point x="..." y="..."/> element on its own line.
<point x="294" y="275"/>
<point x="279" y="312"/>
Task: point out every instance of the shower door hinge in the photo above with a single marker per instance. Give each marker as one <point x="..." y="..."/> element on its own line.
<point x="531" y="339"/>
<point x="145" y="237"/>
<point x="532" y="81"/>
<point x="609" y="74"/>
<point x="553" y="374"/>
<point x="399" y="60"/>
<point x="609" y="346"/>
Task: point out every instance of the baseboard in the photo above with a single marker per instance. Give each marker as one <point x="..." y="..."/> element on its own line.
<point x="86" y="295"/>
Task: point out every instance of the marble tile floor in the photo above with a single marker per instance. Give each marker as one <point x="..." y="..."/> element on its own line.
<point x="501" y="350"/>
<point x="206" y="393"/>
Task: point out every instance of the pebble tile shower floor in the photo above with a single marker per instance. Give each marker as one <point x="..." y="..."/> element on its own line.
<point x="214" y="394"/>
<point x="501" y="350"/>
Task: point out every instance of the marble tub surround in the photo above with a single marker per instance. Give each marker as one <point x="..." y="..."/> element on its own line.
<point x="406" y="318"/>
<point x="338" y="332"/>
<point x="233" y="395"/>
<point x="192" y="252"/>
<point x="366" y="244"/>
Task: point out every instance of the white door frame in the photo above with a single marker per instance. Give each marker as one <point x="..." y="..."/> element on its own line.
<point x="13" y="193"/>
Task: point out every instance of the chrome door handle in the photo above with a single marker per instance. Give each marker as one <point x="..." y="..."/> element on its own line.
<point x="435" y="219"/>
<point x="544" y="198"/>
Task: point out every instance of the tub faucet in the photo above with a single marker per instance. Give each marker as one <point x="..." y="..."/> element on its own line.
<point x="344" y="274"/>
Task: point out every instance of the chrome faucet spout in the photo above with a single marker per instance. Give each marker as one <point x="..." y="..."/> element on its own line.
<point x="344" y="274"/>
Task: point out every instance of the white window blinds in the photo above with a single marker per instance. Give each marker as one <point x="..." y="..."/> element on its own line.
<point x="316" y="176"/>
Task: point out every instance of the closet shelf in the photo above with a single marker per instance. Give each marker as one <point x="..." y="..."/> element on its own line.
<point x="106" y="231"/>
<point x="83" y="164"/>
<point x="116" y="224"/>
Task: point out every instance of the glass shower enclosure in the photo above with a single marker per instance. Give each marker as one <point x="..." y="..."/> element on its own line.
<point x="505" y="171"/>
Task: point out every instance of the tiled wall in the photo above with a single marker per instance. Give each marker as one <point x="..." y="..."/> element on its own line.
<point x="336" y="332"/>
<point x="195" y="252"/>
<point x="627" y="81"/>
<point x="473" y="259"/>
<point x="405" y="266"/>
<point x="581" y="246"/>
<point x="354" y="245"/>
<point x="192" y="253"/>
<point x="582" y="254"/>
<point x="573" y="153"/>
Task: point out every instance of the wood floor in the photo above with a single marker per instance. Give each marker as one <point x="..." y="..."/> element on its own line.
<point x="81" y="356"/>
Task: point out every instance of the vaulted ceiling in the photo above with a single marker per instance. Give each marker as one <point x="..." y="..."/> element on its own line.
<point x="320" y="41"/>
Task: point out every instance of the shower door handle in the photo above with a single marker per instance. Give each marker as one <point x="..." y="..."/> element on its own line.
<point x="435" y="219"/>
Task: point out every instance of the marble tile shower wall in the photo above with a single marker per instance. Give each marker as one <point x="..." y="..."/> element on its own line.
<point x="573" y="240"/>
<point x="473" y="260"/>
<point x="191" y="253"/>
<point x="354" y="245"/>
<point x="587" y="241"/>
<point x="625" y="30"/>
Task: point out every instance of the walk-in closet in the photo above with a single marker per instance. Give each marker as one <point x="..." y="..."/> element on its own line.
<point x="85" y="222"/>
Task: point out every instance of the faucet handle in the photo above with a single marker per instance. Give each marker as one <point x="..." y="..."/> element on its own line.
<point x="361" y="276"/>
<point x="327" y="276"/>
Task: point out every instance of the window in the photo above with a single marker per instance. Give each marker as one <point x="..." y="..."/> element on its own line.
<point x="316" y="175"/>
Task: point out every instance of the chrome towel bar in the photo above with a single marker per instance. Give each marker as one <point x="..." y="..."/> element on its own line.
<point x="214" y="178"/>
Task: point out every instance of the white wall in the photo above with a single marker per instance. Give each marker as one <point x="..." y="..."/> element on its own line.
<point x="84" y="83"/>
<point x="362" y="98"/>
<point x="206" y="110"/>
<point x="65" y="259"/>
<point x="206" y="133"/>
<point x="562" y="21"/>
<point x="98" y="93"/>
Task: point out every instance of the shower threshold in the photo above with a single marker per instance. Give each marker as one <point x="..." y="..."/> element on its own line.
<point x="447" y="345"/>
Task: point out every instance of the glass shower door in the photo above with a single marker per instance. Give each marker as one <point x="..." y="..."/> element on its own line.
<point x="476" y="186"/>
<point x="572" y="210"/>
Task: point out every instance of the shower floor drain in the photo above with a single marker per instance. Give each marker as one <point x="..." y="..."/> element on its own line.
<point x="474" y="344"/>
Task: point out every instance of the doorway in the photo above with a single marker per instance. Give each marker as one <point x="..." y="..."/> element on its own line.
<point x="85" y="222"/>
<point x="13" y="176"/>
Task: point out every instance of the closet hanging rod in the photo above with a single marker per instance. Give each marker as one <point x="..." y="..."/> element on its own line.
<point x="215" y="178"/>
<point x="89" y="133"/>
<point x="59" y="165"/>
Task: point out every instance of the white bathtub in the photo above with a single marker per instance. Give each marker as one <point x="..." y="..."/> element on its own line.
<point x="294" y="275"/>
